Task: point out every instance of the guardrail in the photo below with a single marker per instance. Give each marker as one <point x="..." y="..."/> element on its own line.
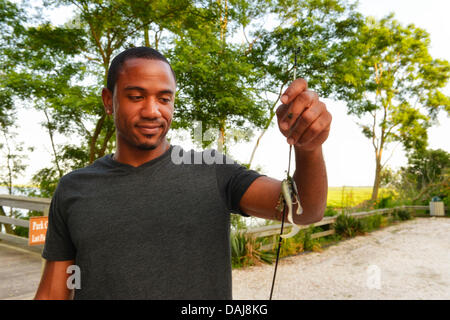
<point x="274" y="230"/>
<point x="22" y="202"/>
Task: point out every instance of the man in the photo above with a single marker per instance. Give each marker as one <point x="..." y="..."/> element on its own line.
<point x="140" y="224"/>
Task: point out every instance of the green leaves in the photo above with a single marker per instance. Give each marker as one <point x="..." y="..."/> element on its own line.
<point x="67" y="41"/>
<point x="232" y="59"/>
<point x="216" y="81"/>
<point x="426" y="175"/>
<point x="395" y="83"/>
<point x="348" y="226"/>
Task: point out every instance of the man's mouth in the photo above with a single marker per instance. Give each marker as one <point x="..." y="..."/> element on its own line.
<point x="149" y="129"/>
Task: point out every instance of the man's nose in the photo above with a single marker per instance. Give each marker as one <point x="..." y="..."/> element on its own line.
<point x="150" y="109"/>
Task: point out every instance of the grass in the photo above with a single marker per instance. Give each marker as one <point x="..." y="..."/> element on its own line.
<point x="344" y="197"/>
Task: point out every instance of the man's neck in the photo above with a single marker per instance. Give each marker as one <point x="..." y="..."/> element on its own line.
<point x="137" y="157"/>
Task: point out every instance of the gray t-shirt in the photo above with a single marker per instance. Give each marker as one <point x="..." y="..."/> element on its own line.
<point x="157" y="231"/>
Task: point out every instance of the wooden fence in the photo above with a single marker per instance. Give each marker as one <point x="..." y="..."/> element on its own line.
<point x="21" y="202"/>
<point x="43" y="204"/>
<point x="274" y="230"/>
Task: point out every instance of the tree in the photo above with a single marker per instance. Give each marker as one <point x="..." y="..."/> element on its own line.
<point x="60" y="70"/>
<point x="394" y="88"/>
<point x="216" y="81"/>
<point x="214" y="85"/>
<point x="320" y="29"/>
<point x="13" y="166"/>
<point x="12" y="152"/>
<point x="42" y="78"/>
<point x="10" y="24"/>
<point x="426" y="175"/>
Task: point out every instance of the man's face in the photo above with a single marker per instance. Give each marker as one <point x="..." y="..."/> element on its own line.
<point x="143" y="103"/>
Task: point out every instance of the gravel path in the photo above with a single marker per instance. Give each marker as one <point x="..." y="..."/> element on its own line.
<point x="409" y="260"/>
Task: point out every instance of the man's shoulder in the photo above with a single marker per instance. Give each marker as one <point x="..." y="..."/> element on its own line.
<point x="94" y="168"/>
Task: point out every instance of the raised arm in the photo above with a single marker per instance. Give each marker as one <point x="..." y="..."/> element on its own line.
<point x="53" y="285"/>
<point x="305" y="122"/>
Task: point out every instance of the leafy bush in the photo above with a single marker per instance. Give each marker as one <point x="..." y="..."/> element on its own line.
<point x="245" y="251"/>
<point x="426" y="175"/>
<point x="238" y="242"/>
<point x="384" y="202"/>
<point x="402" y="215"/>
<point x="302" y="241"/>
<point x="308" y="242"/>
<point x="237" y="222"/>
<point x="330" y="211"/>
<point x="371" y="223"/>
<point x="291" y="246"/>
<point x="348" y="226"/>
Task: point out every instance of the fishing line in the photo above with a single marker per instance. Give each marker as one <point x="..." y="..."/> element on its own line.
<point x="284" y="206"/>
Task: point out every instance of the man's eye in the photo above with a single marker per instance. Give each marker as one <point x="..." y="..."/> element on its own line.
<point x="136" y="98"/>
<point x="165" y="100"/>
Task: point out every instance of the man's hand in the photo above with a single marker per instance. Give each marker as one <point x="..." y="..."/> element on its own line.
<point x="307" y="129"/>
<point x="302" y="118"/>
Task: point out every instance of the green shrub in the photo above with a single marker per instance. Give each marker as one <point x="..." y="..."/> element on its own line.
<point x="371" y="223"/>
<point x="403" y="215"/>
<point x="238" y="243"/>
<point x="245" y="251"/>
<point x="384" y="202"/>
<point x="330" y="211"/>
<point x="348" y="226"/>
<point x="308" y="242"/>
<point x="302" y="241"/>
<point x="292" y="245"/>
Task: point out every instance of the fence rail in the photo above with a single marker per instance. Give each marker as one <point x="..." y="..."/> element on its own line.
<point x="43" y="204"/>
<point x="274" y="230"/>
<point x="21" y="202"/>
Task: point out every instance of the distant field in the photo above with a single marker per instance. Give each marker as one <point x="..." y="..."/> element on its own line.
<point x="349" y="196"/>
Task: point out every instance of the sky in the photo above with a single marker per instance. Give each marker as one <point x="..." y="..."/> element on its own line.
<point x="349" y="156"/>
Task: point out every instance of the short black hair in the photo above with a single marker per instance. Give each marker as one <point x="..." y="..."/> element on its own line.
<point x="131" y="53"/>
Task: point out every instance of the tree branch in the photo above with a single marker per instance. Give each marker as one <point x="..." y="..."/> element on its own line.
<point x="98" y="129"/>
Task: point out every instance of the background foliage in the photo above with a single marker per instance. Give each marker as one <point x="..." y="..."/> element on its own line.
<point x="233" y="59"/>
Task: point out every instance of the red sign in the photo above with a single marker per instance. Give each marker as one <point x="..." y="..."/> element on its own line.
<point x="37" y="230"/>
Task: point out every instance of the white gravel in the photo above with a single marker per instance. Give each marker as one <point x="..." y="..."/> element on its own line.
<point x="409" y="260"/>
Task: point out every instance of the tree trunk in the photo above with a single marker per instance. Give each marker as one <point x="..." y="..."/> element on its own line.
<point x="108" y="136"/>
<point x="93" y="142"/>
<point x="50" y="132"/>
<point x="146" y="36"/>
<point x="221" y="143"/>
<point x="376" y="183"/>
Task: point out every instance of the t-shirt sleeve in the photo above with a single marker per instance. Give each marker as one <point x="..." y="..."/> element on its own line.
<point x="58" y="243"/>
<point x="233" y="180"/>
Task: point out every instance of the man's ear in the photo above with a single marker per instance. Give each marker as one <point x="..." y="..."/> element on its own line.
<point x="107" y="97"/>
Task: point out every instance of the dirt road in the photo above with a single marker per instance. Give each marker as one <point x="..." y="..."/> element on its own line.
<point x="409" y="260"/>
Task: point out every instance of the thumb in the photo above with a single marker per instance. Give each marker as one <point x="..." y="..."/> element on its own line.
<point x="281" y="112"/>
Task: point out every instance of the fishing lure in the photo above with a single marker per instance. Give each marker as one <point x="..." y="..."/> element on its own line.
<point x="289" y="197"/>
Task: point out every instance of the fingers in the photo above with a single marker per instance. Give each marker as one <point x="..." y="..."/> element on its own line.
<point x="281" y="112"/>
<point x="304" y="100"/>
<point x="317" y="141"/>
<point x="313" y="123"/>
<point x="302" y="118"/>
<point x="296" y="87"/>
<point x="310" y="120"/>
